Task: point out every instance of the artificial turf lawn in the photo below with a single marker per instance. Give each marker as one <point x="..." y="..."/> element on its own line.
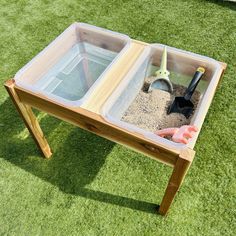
<point x="92" y="186"/>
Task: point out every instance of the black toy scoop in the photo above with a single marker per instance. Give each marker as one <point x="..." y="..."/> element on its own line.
<point x="184" y="104"/>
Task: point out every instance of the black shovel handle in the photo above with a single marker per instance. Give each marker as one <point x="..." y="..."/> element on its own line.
<point x="194" y="82"/>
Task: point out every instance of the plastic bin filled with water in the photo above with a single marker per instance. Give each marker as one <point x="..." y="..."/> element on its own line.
<point x="76" y="71"/>
<point x="70" y="68"/>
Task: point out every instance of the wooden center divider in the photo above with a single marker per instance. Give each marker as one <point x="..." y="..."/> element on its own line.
<point x="113" y="77"/>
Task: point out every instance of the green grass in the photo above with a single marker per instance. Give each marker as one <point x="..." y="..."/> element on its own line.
<point x="92" y="186"/>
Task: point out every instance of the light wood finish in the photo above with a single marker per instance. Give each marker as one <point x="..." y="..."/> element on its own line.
<point x="113" y="77"/>
<point x="30" y="120"/>
<point x="224" y="66"/>
<point x="89" y="119"/>
<point x="95" y="123"/>
<point x="177" y="177"/>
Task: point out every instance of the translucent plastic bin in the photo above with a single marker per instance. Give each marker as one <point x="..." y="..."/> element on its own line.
<point x="182" y="66"/>
<point x="69" y="69"/>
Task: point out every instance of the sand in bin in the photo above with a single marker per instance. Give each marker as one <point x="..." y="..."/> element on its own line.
<point x="148" y="110"/>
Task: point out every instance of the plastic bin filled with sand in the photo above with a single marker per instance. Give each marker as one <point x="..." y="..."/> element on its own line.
<point x="132" y="107"/>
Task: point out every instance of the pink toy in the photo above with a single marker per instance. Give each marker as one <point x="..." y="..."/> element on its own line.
<point x="179" y="135"/>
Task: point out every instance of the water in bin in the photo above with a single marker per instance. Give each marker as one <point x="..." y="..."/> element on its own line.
<point x="72" y="76"/>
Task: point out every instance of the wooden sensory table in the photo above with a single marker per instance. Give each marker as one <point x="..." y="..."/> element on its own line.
<point x="89" y="118"/>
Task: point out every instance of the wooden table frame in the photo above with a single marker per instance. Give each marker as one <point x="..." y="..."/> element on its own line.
<point x="89" y="119"/>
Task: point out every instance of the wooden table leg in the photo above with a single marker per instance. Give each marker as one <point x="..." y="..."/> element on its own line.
<point x="29" y="119"/>
<point x="177" y="177"/>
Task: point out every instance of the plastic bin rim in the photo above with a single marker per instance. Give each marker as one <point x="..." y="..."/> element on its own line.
<point x="73" y="25"/>
<point x="191" y="54"/>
